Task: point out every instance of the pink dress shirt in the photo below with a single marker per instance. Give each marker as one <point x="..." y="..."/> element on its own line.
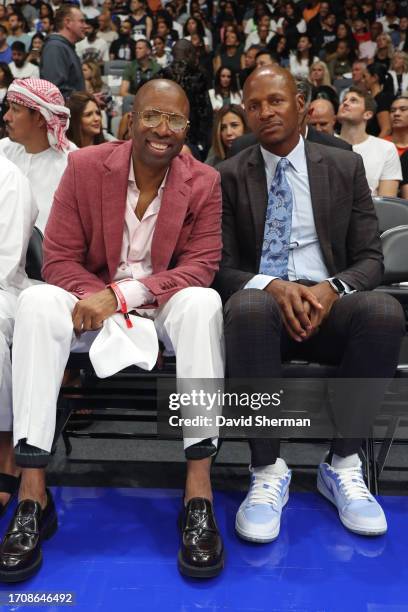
<point x="135" y="255"/>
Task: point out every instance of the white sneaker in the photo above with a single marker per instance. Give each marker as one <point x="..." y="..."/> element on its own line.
<point x="358" y="510"/>
<point x="258" y="517"/>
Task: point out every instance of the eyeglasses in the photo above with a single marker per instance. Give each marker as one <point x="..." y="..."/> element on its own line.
<point x="152" y="118"/>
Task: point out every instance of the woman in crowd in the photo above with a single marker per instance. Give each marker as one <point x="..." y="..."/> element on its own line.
<point x="399" y="72"/>
<point x="301" y="59"/>
<point x="225" y="89"/>
<point x="279" y="46"/>
<point x="342" y="60"/>
<point x="291" y="24"/>
<point x="385" y="50"/>
<point x="194" y="26"/>
<point x="230" y="124"/>
<point x="230" y="53"/>
<point x="319" y="75"/>
<point x="379" y="84"/>
<point x="85" y="126"/>
<point x="6" y="78"/>
<point x="37" y="43"/>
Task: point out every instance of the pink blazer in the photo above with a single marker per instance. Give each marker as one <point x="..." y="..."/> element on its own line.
<point x="84" y="233"/>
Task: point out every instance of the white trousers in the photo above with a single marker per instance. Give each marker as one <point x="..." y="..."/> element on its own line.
<point x="191" y="322"/>
<point x="8" y="306"/>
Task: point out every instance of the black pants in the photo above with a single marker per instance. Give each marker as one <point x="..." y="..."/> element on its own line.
<point x="362" y="336"/>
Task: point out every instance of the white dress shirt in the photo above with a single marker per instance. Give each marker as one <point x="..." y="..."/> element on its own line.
<point x="305" y="255"/>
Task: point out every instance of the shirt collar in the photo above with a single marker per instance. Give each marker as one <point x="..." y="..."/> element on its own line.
<point x="132" y="179"/>
<point x="297" y="157"/>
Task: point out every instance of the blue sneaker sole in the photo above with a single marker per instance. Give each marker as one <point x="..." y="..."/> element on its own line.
<point x="322" y="488"/>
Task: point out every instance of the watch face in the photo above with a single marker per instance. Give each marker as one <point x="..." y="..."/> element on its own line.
<point x="338" y="284"/>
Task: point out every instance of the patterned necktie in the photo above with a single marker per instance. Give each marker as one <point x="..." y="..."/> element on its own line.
<point x="278" y="225"/>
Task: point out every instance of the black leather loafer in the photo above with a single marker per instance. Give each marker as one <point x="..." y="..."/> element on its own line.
<point x="8" y="484"/>
<point x="20" y="549"/>
<point x="202" y="553"/>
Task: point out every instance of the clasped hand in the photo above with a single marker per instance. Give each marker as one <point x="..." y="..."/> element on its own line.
<point x="303" y="309"/>
<point x="90" y="313"/>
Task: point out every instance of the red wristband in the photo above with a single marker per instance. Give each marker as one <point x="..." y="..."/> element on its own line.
<point x="123" y="306"/>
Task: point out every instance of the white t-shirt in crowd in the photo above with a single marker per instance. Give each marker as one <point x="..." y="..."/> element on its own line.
<point x="381" y="161"/>
<point x="43" y="170"/>
<point x="97" y="51"/>
<point x="28" y="71"/>
<point x="300" y="70"/>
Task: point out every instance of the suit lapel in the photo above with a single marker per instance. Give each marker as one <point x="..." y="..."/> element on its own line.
<point x="320" y="196"/>
<point x="171" y="215"/>
<point x="258" y="196"/>
<point x="114" y="194"/>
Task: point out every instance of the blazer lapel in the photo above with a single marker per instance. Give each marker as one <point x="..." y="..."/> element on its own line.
<point x="171" y="215"/>
<point x="320" y="196"/>
<point x="114" y="194"/>
<point x="258" y="196"/>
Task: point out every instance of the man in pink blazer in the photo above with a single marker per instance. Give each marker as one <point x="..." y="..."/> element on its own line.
<point x="134" y="226"/>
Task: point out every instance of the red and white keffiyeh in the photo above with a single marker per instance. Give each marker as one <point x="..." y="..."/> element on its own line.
<point x="47" y="99"/>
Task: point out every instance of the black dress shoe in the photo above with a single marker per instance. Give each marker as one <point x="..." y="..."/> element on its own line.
<point x="8" y="484"/>
<point x="202" y="553"/>
<point x="20" y="549"/>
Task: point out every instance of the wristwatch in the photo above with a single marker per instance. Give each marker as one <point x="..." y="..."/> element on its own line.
<point x="337" y="286"/>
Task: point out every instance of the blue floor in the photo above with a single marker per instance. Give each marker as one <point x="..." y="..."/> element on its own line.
<point x="116" y="550"/>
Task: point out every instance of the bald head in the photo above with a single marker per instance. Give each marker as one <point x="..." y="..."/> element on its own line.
<point x="275" y="72"/>
<point x="321" y="116"/>
<point x="273" y="107"/>
<point x="156" y="90"/>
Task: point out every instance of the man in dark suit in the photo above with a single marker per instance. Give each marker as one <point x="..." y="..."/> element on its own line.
<point x="301" y="253"/>
<point x="309" y="133"/>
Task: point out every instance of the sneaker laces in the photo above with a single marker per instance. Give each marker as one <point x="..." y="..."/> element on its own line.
<point x="352" y="483"/>
<point x="265" y="489"/>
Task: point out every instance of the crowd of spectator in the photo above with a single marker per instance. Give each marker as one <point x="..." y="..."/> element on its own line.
<point x="210" y="47"/>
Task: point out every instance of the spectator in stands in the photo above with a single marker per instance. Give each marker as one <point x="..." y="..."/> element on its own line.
<point x="251" y="24"/>
<point x="85" y="126"/>
<point x="185" y="71"/>
<point x="37" y="143"/>
<point x="269" y="311"/>
<point x="327" y="37"/>
<point x="390" y="17"/>
<point x="138" y="202"/>
<point x="399" y="124"/>
<point x="45" y="10"/>
<point x="316" y="23"/>
<point x="249" y="63"/>
<point x="17" y="222"/>
<point x="322" y="116"/>
<point x="95" y="86"/>
<point x="4" y="18"/>
<point x="161" y="55"/>
<point x="264" y="57"/>
<point x="141" y="70"/>
<point x="262" y="35"/>
<point x="385" y="50"/>
<point x="20" y="66"/>
<point x="399" y="72"/>
<point x="378" y="82"/>
<point x="36" y="47"/>
<point x="381" y="162"/>
<point x="91" y="48"/>
<point x="47" y="26"/>
<point x="225" y="90"/>
<point x="279" y="46"/>
<point x="142" y="23"/>
<point x="6" y="78"/>
<point x="106" y="31"/>
<point x="124" y="47"/>
<point x="399" y="36"/>
<point x="291" y="24"/>
<point x="194" y="26"/>
<point x="319" y="74"/>
<point x="59" y="62"/>
<point x="368" y="49"/>
<point x="301" y="59"/>
<point x="16" y="28"/>
<point x="230" y="124"/>
<point x="230" y="54"/>
<point x="164" y="28"/>
<point x="311" y="10"/>
<point x="342" y="61"/>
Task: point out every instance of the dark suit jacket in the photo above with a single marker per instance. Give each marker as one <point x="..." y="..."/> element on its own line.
<point x="313" y="135"/>
<point x="346" y="222"/>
